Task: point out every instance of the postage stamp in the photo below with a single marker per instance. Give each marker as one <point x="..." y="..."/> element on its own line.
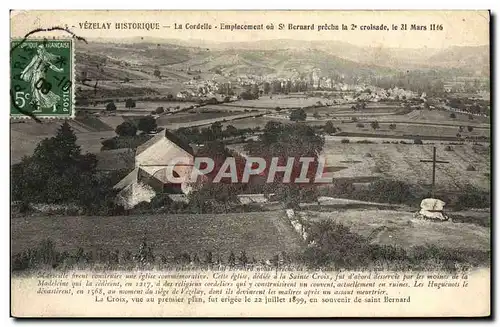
<point x="42" y="78"/>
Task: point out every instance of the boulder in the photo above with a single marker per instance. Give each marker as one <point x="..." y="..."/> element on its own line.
<point x="432" y="209"/>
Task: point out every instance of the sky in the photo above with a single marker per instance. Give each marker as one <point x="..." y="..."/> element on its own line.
<point x="459" y="28"/>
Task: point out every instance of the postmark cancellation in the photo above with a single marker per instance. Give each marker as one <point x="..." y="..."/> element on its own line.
<point x="42" y="78"/>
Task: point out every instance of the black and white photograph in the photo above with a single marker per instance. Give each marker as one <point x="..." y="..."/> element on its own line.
<point x="247" y="164"/>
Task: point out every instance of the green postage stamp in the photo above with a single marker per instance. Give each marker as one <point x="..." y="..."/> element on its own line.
<point x="42" y="80"/>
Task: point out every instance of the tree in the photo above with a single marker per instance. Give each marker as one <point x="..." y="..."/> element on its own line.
<point x="267" y="87"/>
<point x="255" y="91"/>
<point x="298" y="115"/>
<point x="157" y="73"/>
<point x="232" y="259"/>
<point x="470" y="128"/>
<point x="129" y="103"/>
<point x="231" y="131"/>
<point x="284" y="141"/>
<point x="147" y="124"/>
<point x="375" y="125"/>
<point x="453" y="116"/>
<point x="392" y="126"/>
<point x="316" y="115"/>
<point x="217" y="129"/>
<point x="57" y="172"/>
<point x="329" y="128"/>
<point x="243" y="259"/>
<point x="246" y="95"/>
<point x="111" y="106"/>
<point x="159" y="110"/>
<point x="361" y="105"/>
<point x="126" y="129"/>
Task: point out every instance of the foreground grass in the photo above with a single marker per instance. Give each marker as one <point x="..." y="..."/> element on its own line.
<point x="205" y="241"/>
<point x="262" y="234"/>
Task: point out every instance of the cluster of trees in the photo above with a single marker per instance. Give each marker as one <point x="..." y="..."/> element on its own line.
<point x="285" y="87"/>
<point x="284" y="141"/>
<point x="251" y="93"/>
<point x="360" y="105"/>
<point x="297" y="115"/>
<point x="129" y="104"/>
<point x="418" y="81"/>
<point x="58" y="173"/>
<point x="145" y="124"/>
<point x="209" y="134"/>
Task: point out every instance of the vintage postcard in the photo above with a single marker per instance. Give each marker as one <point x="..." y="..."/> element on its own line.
<point x="250" y="163"/>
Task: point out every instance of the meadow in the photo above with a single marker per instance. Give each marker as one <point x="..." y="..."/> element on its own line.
<point x="402" y="162"/>
<point x="399" y="228"/>
<point x="261" y="235"/>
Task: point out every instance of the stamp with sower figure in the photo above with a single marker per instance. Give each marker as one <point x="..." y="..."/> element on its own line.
<point x="42" y="78"/>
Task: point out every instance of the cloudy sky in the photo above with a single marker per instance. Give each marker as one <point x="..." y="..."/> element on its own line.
<point x="464" y="28"/>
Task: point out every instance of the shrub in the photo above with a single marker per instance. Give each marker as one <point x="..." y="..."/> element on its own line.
<point x="159" y="110"/>
<point x="126" y="129"/>
<point x="471" y="168"/>
<point x="111" y="106"/>
<point x="147" y="124"/>
<point x="418" y="141"/>
<point x="453" y="116"/>
<point x="344" y="141"/>
<point x="472" y="197"/>
<point x="448" y="148"/>
<point x="470" y="128"/>
<point x="360" y="125"/>
<point x="298" y="115"/>
<point x="390" y="191"/>
<point x="329" y="128"/>
<point x="129" y="103"/>
<point x="392" y="126"/>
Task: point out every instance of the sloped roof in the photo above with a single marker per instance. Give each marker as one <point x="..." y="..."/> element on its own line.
<point x="131" y="178"/>
<point x="115" y="159"/>
<point x="170" y="136"/>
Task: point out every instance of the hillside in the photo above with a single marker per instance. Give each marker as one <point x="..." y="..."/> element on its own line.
<point x="472" y="59"/>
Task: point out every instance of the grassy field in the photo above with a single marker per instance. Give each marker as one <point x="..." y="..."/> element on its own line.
<point x="444" y="115"/>
<point x="261" y="235"/>
<point x="400" y="228"/>
<point x="403" y="129"/>
<point x="402" y="162"/>
<point x="25" y="135"/>
<point x="280" y="100"/>
<point x="140" y="106"/>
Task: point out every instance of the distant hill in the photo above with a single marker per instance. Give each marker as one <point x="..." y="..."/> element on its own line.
<point x="173" y="51"/>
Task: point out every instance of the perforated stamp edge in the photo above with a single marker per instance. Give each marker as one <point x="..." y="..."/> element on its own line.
<point x="59" y="117"/>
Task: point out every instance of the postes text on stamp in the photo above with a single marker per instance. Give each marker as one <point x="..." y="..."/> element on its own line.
<point x="42" y="78"/>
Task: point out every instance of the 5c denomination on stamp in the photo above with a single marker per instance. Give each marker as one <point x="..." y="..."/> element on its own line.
<point x="42" y="78"/>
